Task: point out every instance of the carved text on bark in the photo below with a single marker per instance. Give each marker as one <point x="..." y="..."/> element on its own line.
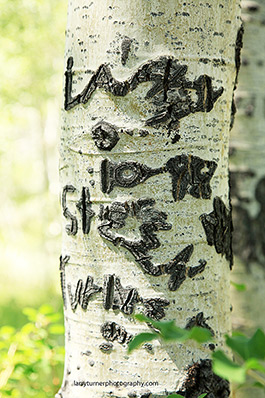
<point x="187" y="172"/>
<point x="171" y="91"/>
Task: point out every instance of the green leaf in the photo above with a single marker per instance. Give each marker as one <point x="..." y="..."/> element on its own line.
<point x="54" y="317"/>
<point x="140" y="339"/>
<point x="199" y="334"/>
<point x="56" y="329"/>
<point x="253" y="363"/>
<point x="247" y="348"/>
<point x="6" y="330"/>
<point x="203" y="395"/>
<point x="257" y="384"/>
<point x="169" y="331"/>
<point x="31" y="313"/>
<point x="256" y="345"/>
<point x="240" y="287"/>
<point x="46" y="309"/>
<point x="227" y="369"/>
<point x="142" y="318"/>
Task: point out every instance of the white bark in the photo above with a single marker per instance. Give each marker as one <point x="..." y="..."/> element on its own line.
<point x="126" y="36"/>
<point x="248" y="171"/>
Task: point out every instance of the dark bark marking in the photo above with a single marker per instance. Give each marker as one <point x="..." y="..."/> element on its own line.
<point x="201" y="379"/>
<point x="106" y="347"/>
<point x="84" y="206"/>
<point x="200" y="321"/>
<point x="234" y="177"/>
<point x="238" y="47"/>
<point x="108" y="290"/>
<point x="124" y="174"/>
<point x="111" y="331"/>
<point x="178" y="270"/>
<point x="218" y="229"/>
<point x="83" y="293"/>
<point x="146" y="394"/>
<point x="125" y="49"/>
<point x="71" y="229"/>
<point x="105" y="135"/>
<point x="117" y="297"/>
<point x="260" y="219"/>
<point x="170" y="92"/>
<point x="154" y="308"/>
<point x="63" y="261"/>
<point x="251" y="6"/>
<point x="186" y="172"/>
<point x="153" y="220"/>
<point x="188" y="177"/>
<point x="247" y="104"/>
<point x="148" y="347"/>
<point x="249" y="234"/>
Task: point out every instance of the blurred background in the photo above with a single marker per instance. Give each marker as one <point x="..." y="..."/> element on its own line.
<point x="31" y="70"/>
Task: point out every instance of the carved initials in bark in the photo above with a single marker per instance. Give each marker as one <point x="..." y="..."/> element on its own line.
<point x="153" y="220"/>
<point x="111" y="331"/>
<point x="188" y="175"/>
<point x="63" y="261"/>
<point x="83" y="293"/>
<point x="218" y="228"/>
<point x="71" y="229"/>
<point x="84" y="207"/>
<point x="171" y="91"/>
<point x="117" y="297"/>
<point x="154" y="308"/>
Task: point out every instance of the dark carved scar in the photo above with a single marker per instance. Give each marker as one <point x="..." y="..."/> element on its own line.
<point x="71" y="229"/>
<point x="83" y="293"/>
<point x="189" y="174"/>
<point x="201" y="379"/>
<point x="171" y="93"/>
<point x="218" y="229"/>
<point x="152" y="220"/>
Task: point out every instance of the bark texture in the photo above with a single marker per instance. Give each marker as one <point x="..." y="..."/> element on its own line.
<point x="144" y="172"/>
<point x="248" y="175"/>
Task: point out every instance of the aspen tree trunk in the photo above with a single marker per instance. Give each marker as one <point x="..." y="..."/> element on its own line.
<point x="144" y="173"/>
<point x="248" y="172"/>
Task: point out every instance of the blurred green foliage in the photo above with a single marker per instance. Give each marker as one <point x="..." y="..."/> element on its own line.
<point x="31" y="357"/>
<point x="31" y="55"/>
<point x="31" y="68"/>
